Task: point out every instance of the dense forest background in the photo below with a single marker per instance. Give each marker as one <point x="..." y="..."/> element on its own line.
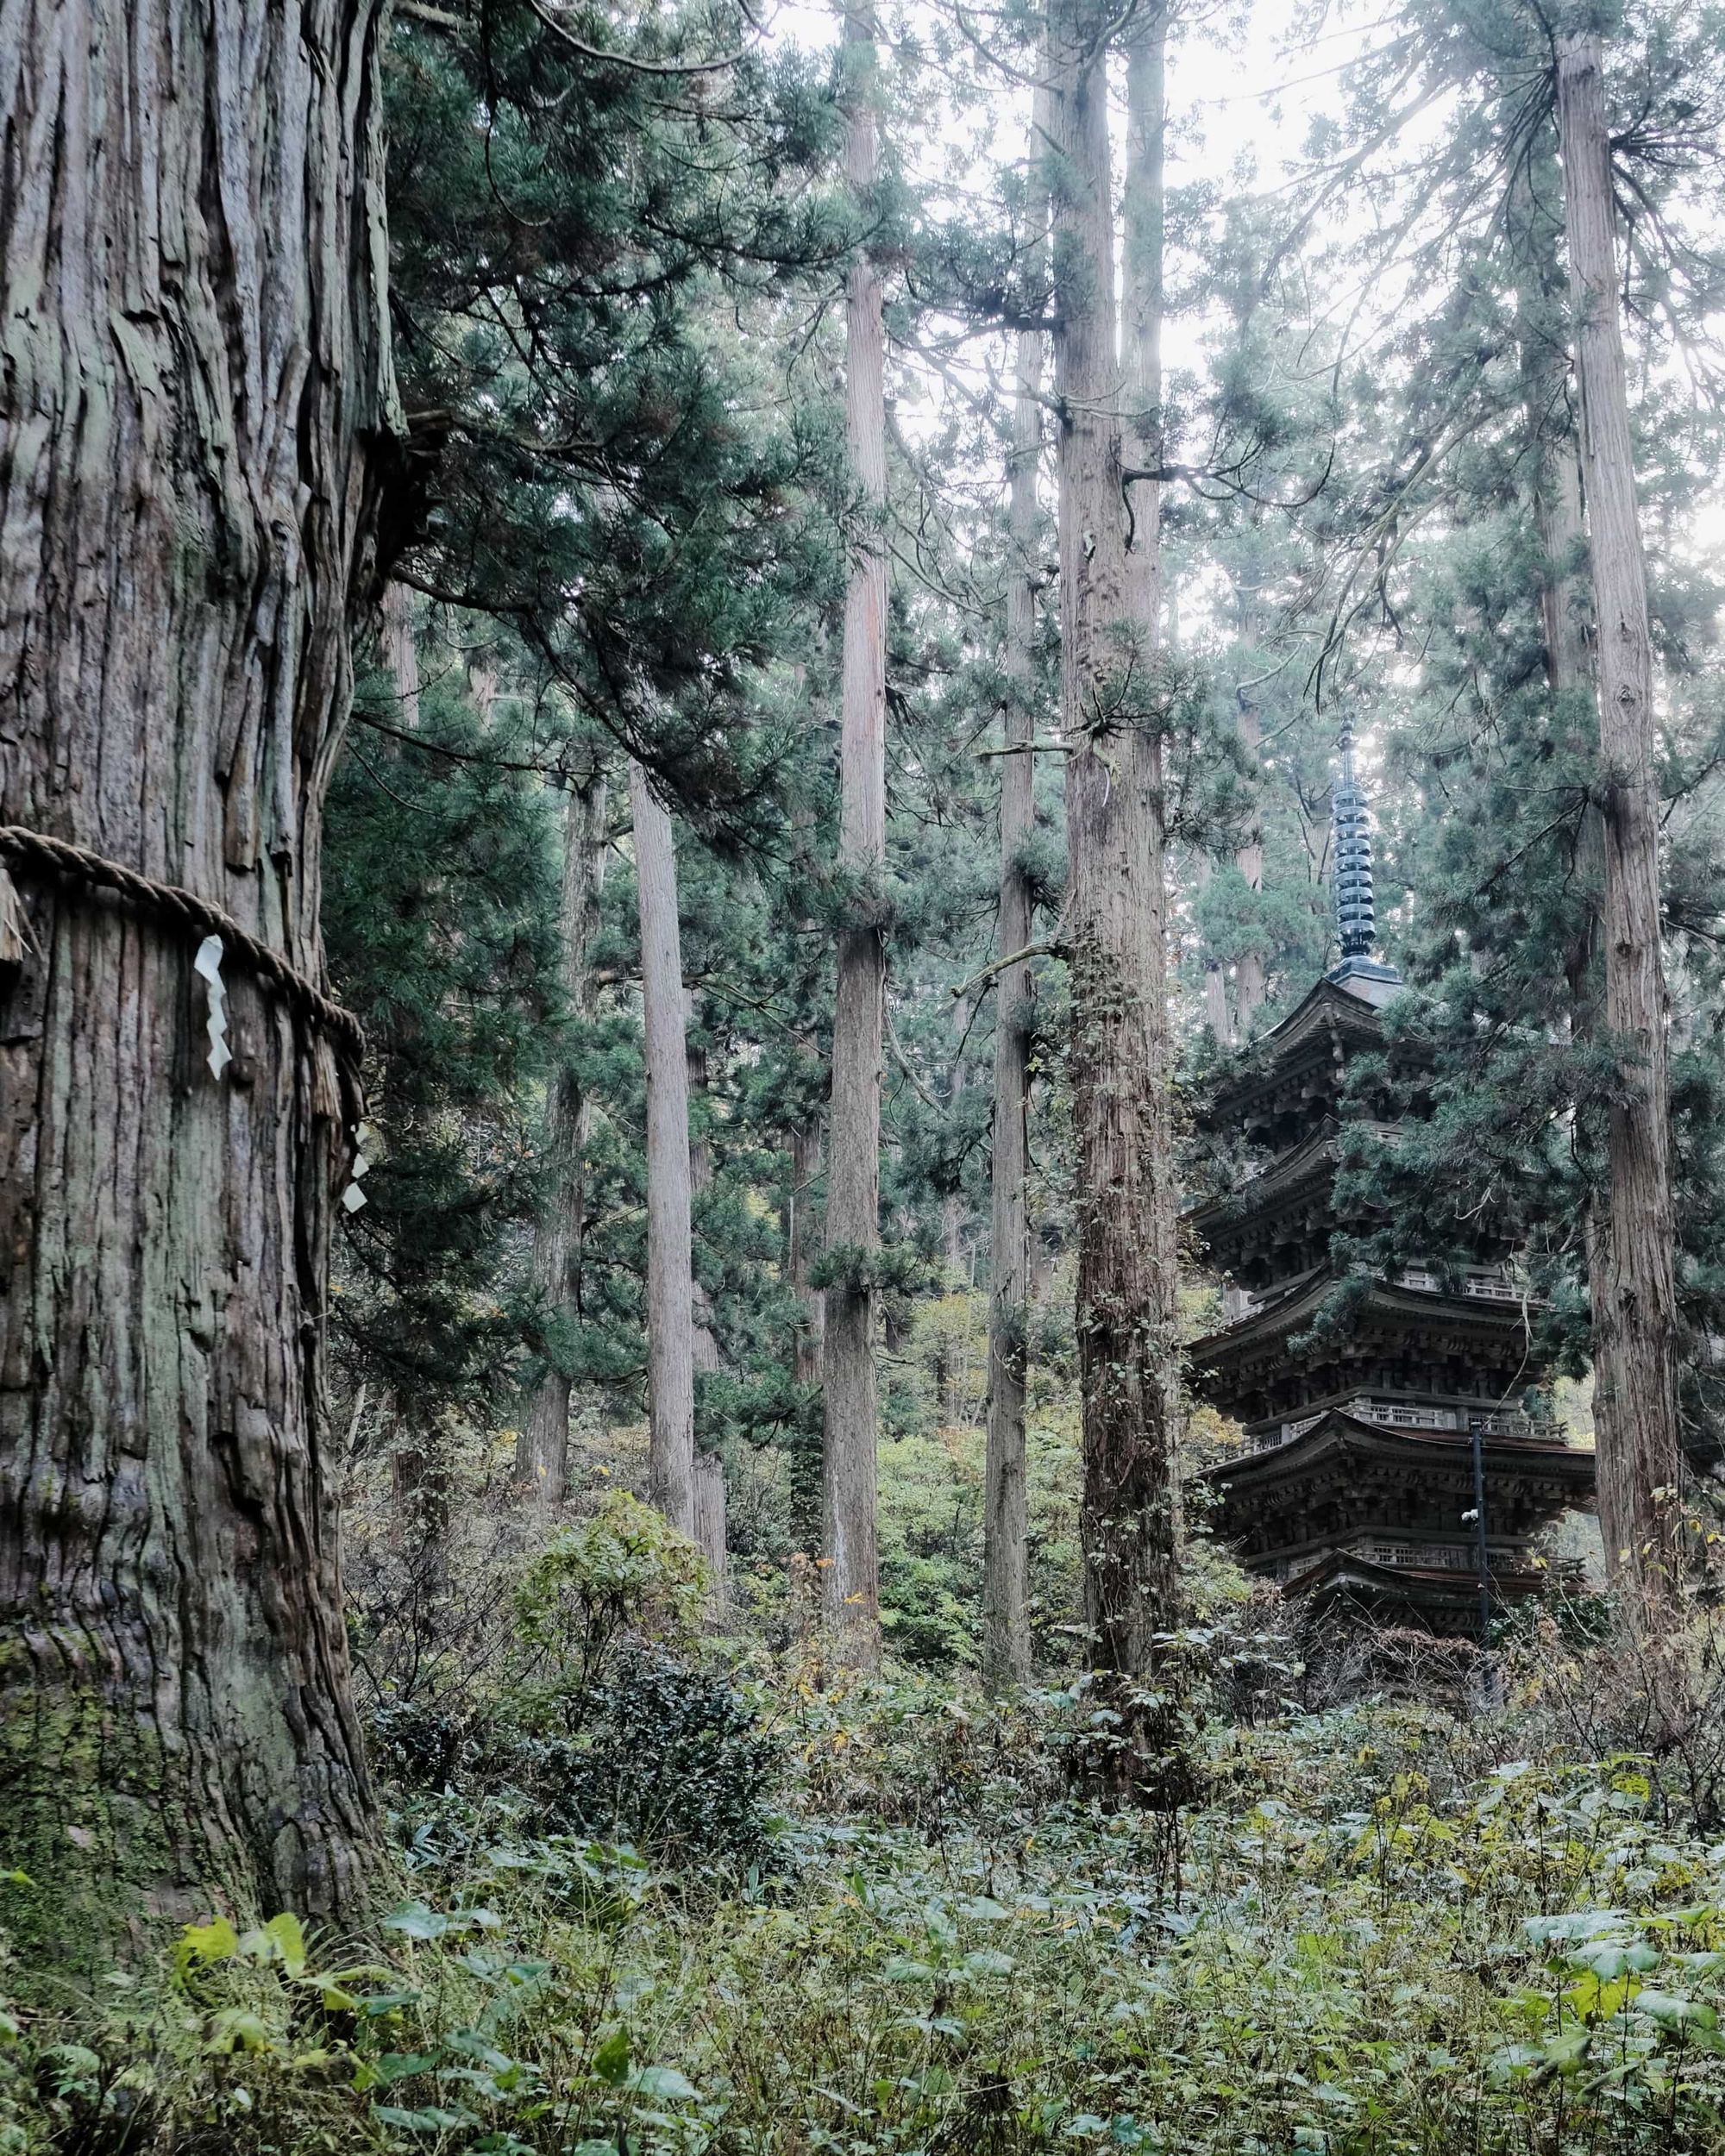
<point x="741" y="631"/>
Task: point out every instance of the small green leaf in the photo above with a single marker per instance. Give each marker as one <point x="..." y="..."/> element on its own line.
<point x="236" y="2029"/>
<point x="611" y="2060"/>
<point x="415" y="1921"/>
<point x="289" y="1941"/>
<point x="662" y="2083"/>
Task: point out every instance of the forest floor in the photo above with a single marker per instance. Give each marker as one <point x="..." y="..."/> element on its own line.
<point x="1382" y="1928"/>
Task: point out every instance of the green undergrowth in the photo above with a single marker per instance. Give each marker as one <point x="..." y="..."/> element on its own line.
<point x="1373" y="1933"/>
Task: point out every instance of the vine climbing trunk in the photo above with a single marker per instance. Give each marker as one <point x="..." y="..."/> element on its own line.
<point x="1123" y="1293"/>
<point x="670" y="1272"/>
<point x="196" y="411"/>
<point x="1635" y="1315"/>
<point x="541" y="1452"/>
<point x="850" y="1403"/>
<point x="1005" y="1515"/>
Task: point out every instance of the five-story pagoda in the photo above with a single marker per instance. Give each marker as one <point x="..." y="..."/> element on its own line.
<point x="1357" y="1485"/>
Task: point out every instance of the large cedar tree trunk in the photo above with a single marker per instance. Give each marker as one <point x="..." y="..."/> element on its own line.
<point x="195" y="397"/>
<point x="670" y="1273"/>
<point x="1127" y="1517"/>
<point x="1635" y="1315"/>
<point x="1006" y="1516"/>
<point x="541" y="1452"/>
<point x="853" y="1186"/>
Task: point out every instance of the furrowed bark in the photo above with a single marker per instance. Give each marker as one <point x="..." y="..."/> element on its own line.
<point x="541" y="1452"/>
<point x="1005" y="1517"/>
<point x="197" y="406"/>
<point x="853" y="1190"/>
<point x="670" y="1275"/>
<point x="1127" y="1518"/>
<point x="1634" y="1318"/>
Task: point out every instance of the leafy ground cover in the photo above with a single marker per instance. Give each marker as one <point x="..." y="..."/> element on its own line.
<point x="1373" y="1933"/>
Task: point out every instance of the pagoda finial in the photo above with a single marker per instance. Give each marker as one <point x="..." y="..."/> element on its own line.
<point x="1355" y="926"/>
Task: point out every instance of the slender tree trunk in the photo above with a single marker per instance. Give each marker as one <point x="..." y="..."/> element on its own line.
<point x="195" y="398"/>
<point x="401" y="651"/>
<point x="853" y="1189"/>
<point x="541" y="1452"/>
<point x="420" y="1430"/>
<point x="1005" y="1515"/>
<point x="1634" y="1321"/>
<point x="800" y="1242"/>
<point x="1215" y="981"/>
<point x="670" y="1276"/>
<point x="708" y="1360"/>
<point x="1127" y="1518"/>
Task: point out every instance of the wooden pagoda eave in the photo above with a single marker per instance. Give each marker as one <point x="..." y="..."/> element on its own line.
<point x="1290" y="1187"/>
<point x="1463" y="1318"/>
<point x="1319" y="1032"/>
<point x="1339" y="1444"/>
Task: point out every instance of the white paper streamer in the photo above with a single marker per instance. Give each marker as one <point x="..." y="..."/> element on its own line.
<point x="353" y="1197"/>
<point x="208" y="964"/>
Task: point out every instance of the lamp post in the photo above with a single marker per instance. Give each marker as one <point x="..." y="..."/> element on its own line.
<point x="1476" y="1425"/>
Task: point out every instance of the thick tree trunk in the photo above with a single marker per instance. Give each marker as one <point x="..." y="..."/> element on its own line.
<point x="1634" y="1320"/>
<point x="670" y="1275"/>
<point x="541" y="1452"/>
<point x="853" y="1187"/>
<point x="195" y="386"/>
<point x="1005" y="1515"/>
<point x="1112" y="905"/>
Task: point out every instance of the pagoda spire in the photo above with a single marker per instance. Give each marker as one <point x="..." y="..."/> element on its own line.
<point x="1355" y="926"/>
<point x="1356" y="921"/>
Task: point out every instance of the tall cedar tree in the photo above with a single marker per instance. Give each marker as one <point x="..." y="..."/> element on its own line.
<point x="1126" y="1518"/>
<point x="1634" y="1318"/>
<point x="542" y="1447"/>
<point x="670" y="1275"/>
<point x="1005" y="1551"/>
<point x="853" y="1200"/>
<point x="199" y="408"/>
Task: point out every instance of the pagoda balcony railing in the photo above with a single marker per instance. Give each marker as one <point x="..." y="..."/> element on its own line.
<point x="1240" y="1304"/>
<point x="1487" y="1287"/>
<point x="1431" y="1557"/>
<point x="1404" y="1415"/>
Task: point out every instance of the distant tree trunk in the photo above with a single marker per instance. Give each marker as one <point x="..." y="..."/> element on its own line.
<point x="708" y="1360"/>
<point x="1634" y="1321"/>
<point x="420" y="1431"/>
<point x="710" y="1528"/>
<point x="1005" y="1515"/>
<point x="670" y="1275"/>
<point x="401" y="651"/>
<point x="541" y="1452"/>
<point x="1250" y="986"/>
<point x="1113" y="851"/>
<point x="196" y="404"/>
<point x="853" y="1184"/>
<point x="799" y="1214"/>
<point x="1216" y="980"/>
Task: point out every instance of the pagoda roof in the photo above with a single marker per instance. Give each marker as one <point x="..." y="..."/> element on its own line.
<point x="1338" y="1438"/>
<point x="1445" y="1599"/>
<point x="1334" y="1014"/>
<point x="1305" y="1167"/>
<point x="1292" y="1306"/>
